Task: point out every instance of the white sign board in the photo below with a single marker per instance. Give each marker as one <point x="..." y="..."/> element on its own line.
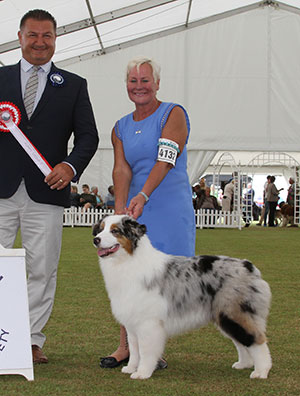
<point x="15" y="342"/>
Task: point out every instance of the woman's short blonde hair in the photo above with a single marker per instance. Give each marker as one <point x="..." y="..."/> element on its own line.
<point x="140" y="60"/>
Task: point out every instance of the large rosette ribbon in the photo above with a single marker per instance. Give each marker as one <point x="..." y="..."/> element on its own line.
<point x="10" y="117"/>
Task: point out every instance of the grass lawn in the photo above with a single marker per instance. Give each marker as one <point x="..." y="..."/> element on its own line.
<point x="82" y="329"/>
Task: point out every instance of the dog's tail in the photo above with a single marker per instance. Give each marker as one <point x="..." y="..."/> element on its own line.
<point x="243" y="317"/>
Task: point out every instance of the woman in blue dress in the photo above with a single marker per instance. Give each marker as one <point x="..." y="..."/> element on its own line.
<point x="150" y="172"/>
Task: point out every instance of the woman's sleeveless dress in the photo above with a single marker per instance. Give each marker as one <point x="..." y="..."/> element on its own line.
<point x="169" y="213"/>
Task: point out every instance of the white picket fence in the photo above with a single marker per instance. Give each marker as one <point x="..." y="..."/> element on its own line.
<point x="219" y="219"/>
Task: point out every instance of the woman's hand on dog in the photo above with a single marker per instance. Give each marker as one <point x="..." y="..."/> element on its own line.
<point x="136" y="206"/>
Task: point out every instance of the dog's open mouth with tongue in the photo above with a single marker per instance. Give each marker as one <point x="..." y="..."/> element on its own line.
<point x="103" y="252"/>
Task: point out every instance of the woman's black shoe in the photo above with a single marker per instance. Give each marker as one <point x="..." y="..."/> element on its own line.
<point x="111" y="362"/>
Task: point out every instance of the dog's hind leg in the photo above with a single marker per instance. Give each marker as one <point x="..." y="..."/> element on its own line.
<point x="262" y="360"/>
<point x="245" y="359"/>
<point x="151" y="341"/>
<point x="134" y="356"/>
<point x="248" y="335"/>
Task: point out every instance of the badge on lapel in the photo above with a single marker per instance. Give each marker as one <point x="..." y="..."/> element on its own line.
<point x="56" y="79"/>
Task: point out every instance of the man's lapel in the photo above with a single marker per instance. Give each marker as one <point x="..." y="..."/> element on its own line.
<point x="15" y="93"/>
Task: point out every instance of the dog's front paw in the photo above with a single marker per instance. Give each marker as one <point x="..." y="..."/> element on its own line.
<point x="263" y="374"/>
<point x="242" y="365"/>
<point x="140" y="375"/>
<point x="128" y="369"/>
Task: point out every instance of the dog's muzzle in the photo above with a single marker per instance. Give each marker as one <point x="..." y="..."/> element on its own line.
<point x="103" y="252"/>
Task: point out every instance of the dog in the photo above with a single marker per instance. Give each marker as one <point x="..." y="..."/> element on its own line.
<point x="157" y="295"/>
<point x="287" y="212"/>
<point x="278" y="217"/>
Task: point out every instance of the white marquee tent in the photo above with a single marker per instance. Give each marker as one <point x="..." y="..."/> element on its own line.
<point x="234" y="65"/>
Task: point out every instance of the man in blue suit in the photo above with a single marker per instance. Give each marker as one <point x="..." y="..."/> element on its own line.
<point x="29" y="200"/>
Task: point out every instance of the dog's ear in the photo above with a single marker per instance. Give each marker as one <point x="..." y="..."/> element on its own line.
<point x="134" y="226"/>
<point x="142" y="229"/>
<point x="96" y="229"/>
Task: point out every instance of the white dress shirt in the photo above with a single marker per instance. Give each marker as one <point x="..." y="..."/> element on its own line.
<point x="26" y="70"/>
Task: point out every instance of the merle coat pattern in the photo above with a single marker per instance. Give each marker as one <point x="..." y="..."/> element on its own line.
<point x="155" y="295"/>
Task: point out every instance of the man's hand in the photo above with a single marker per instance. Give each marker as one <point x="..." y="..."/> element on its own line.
<point x="60" y="177"/>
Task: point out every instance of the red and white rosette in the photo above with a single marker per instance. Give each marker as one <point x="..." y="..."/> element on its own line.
<point x="9" y="109"/>
<point x="10" y="117"/>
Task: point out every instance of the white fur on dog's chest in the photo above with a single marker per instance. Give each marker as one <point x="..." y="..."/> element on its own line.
<point x="128" y="293"/>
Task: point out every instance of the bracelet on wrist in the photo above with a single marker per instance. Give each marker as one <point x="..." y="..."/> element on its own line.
<point x="144" y="195"/>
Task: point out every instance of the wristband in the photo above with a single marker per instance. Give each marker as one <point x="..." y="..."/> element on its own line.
<point x="144" y="195"/>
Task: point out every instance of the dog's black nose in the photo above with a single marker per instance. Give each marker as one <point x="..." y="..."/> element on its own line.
<point x="97" y="241"/>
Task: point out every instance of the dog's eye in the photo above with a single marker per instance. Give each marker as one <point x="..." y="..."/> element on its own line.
<point x="114" y="231"/>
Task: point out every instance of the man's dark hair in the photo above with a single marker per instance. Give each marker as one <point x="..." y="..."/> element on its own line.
<point x="39" y="15"/>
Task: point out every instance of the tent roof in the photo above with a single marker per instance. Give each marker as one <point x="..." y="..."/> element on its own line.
<point x="89" y="28"/>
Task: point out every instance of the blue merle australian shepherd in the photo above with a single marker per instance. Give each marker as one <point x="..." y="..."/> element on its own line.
<point x="156" y="295"/>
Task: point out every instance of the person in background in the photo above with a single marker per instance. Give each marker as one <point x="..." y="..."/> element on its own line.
<point x="99" y="200"/>
<point x="290" y="199"/>
<point x="228" y="196"/>
<point x="272" y="198"/>
<point x="110" y="198"/>
<point x="74" y="197"/>
<point x="210" y="204"/>
<point x="265" y="208"/>
<point x="207" y="201"/>
<point x="202" y="184"/>
<point x="150" y="172"/>
<point x="195" y="189"/>
<point x="200" y="190"/>
<point x="87" y="199"/>
<point x="287" y="208"/>
<point x="55" y="106"/>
